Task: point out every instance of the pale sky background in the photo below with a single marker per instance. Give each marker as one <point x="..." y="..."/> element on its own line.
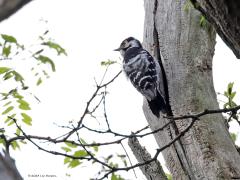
<point x="89" y="31"/>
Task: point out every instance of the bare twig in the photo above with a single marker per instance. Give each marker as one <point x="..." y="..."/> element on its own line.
<point x="86" y="110"/>
<point x="156" y="154"/>
<point x="74" y="130"/>
<point x="128" y="158"/>
<point x="206" y="112"/>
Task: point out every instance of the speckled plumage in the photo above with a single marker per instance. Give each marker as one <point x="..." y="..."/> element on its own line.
<point x="143" y="71"/>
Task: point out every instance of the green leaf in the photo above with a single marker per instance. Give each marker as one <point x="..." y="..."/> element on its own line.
<point x="67" y="160"/>
<point x="230" y="87"/>
<point x="18" y="132"/>
<point x="83" y="141"/>
<point x="26" y="119"/>
<point x="233" y="136"/>
<point x="203" y="21"/>
<point x="66" y="149"/>
<point x="7" y="76"/>
<point x="4" y="94"/>
<point x="70" y="145"/>
<point x="113" y="165"/>
<point x="80" y="153"/>
<point x="17" y="95"/>
<point x="169" y="176"/>
<point x="108" y="62"/>
<point x="24" y="107"/>
<point x="56" y="47"/>
<point x="232" y="95"/>
<point x="23" y="104"/>
<point x="4" y="70"/>
<point x="226" y="94"/>
<point x="6" y="111"/>
<point x="9" y="38"/>
<point x="6" y="50"/>
<point x="15" y="145"/>
<point x="2" y="141"/>
<point x="18" y="77"/>
<point x="95" y="148"/>
<point x="45" y="60"/>
<point x="74" y="163"/>
<point x="116" y="177"/>
<point x="6" y="104"/>
<point x="10" y="123"/>
<point x="9" y="118"/>
<point x="39" y="81"/>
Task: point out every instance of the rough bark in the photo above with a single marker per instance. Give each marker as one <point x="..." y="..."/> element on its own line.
<point x="225" y="17"/>
<point x="9" y="7"/>
<point x="8" y="170"/>
<point x="153" y="170"/>
<point x="206" y="151"/>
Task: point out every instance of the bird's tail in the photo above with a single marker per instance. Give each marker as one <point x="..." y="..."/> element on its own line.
<point x="158" y="105"/>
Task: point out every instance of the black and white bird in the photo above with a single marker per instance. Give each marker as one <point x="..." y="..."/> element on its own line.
<point x="144" y="73"/>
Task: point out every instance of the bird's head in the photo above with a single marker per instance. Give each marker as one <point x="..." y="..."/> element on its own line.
<point x="127" y="44"/>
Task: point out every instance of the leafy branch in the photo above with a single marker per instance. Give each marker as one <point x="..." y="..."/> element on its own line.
<point x="14" y="95"/>
<point x="85" y="152"/>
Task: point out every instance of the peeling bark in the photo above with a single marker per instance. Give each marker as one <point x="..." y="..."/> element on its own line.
<point x="206" y="151"/>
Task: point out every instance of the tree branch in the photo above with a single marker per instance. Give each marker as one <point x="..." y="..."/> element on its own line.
<point x="225" y="17"/>
<point x="153" y="170"/>
<point x="194" y="118"/>
<point x="145" y="159"/>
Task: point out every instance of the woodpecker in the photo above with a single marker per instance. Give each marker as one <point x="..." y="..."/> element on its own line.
<point x="144" y="73"/>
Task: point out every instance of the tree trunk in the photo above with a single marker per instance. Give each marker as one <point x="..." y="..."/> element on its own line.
<point x="186" y="48"/>
<point x="9" y="7"/>
<point x="153" y="170"/>
<point x="225" y="17"/>
<point x="8" y="170"/>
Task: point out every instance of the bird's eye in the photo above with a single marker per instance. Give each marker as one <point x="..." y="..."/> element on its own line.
<point x="123" y="45"/>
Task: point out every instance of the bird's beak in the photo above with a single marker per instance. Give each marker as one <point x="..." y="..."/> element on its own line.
<point x="118" y="49"/>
